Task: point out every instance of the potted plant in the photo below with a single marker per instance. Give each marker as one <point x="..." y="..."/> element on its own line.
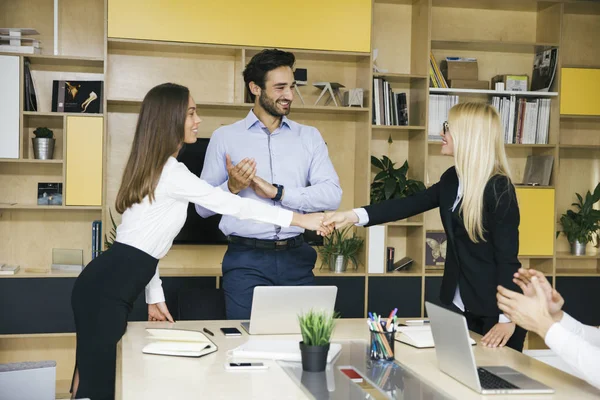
<point x="109" y="240"/>
<point x="582" y="226"/>
<point x="338" y="249"/>
<point x="391" y="182"/>
<point x="316" y="328"/>
<point x="43" y="144"/>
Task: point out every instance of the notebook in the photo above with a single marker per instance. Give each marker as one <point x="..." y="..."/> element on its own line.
<point x="281" y="350"/>
<point x="178" y="342"/>
<point x="417" y="336"/>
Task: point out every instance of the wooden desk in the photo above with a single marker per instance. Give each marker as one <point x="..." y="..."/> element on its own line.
<point x="148" y="377"/>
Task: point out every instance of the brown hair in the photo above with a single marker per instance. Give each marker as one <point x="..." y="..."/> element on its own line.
<point x="159" y="134"/>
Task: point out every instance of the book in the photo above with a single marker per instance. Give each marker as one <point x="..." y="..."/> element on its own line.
<point x="538" y="170"/>
<point x="6" y="269"/>
<point x="178" y="342"/>
<point x="29" y="96"/>
<point x="544" y="70"/>
<point x="418" y="336"/>
<point x="77" y="96"/>
<point x="6" y="48"/>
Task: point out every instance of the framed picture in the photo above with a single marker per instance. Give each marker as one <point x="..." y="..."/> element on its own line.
<point x="435" y="251"/>
<point x="50" y="194"/>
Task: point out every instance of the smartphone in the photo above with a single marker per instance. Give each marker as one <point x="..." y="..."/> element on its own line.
<point x="245" y="365"/>
<point x="231" y="332"/>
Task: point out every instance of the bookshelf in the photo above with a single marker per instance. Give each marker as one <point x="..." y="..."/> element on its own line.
<point x="503" y="36"/>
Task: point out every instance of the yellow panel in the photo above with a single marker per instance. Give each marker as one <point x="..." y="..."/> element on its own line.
<point x="536" y="232"/>
<point x="84" y="161"/>
<point x="342" y="25"/>
<point x="579" y="88"/>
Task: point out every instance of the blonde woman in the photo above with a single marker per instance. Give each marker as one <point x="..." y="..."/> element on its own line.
<point x="480" y="214"/>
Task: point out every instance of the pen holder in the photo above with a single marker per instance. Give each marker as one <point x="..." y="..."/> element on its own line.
<point x="381" y="345"/>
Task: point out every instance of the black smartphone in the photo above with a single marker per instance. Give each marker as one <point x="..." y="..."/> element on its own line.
<point x="231" y="332"/>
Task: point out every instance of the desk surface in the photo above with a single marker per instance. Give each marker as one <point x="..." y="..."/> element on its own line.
<point x="148" y="377"/>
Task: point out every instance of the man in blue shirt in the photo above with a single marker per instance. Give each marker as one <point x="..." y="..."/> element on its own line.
<point x="269" y="158"/>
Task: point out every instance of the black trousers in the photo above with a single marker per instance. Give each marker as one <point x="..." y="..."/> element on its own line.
<point x="102" y="299"/>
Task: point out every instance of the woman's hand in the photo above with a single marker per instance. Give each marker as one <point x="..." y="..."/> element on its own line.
<point x="312" y="222"/>
<point x="340" y="219"/>
<point x="499" y="334"/>
<point x="159" y="312"/>
<point x="555" y="300"/>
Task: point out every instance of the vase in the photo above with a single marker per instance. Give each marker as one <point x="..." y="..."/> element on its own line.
<point x="338" y="263"/>
<point x="43" y="148"/>
<point x="578" y="248"/>
<point x="314" y="358"/>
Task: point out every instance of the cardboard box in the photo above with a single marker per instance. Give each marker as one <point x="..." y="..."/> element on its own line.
<point x="518" y="83"/>
<point x="468" y="84"/>
<point x="466" y="70"/>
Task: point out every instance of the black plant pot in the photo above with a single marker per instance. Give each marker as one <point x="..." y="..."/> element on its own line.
<point x="314" y="358"/>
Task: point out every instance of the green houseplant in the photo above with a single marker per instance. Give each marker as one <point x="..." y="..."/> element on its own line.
<point x="110" y="239"/>
<point x="338" y="249"/>
<point x="43" y="144"/>
<point x="580" y="227"/>
<point x="391" y="182"/>
<point x="316" y="329"/>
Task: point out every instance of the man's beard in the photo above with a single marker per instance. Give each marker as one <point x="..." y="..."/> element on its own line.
<point x="270" y="106"/>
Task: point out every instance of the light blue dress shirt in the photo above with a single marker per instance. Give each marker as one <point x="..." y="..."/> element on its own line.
<point x="294" y="156"/>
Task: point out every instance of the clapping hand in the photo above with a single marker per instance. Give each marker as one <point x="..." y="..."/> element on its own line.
<point x="555" y="301"/>
<point x="240" y="175"/>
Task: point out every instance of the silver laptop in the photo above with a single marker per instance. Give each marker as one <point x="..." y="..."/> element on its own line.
<point x="455" y="358"/>
<point x="275" y="309"/>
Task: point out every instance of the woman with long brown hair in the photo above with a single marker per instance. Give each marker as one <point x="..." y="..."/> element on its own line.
<point x="153" y="197"/>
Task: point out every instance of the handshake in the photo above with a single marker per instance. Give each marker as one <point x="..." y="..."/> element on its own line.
<point x="243" y="176"/>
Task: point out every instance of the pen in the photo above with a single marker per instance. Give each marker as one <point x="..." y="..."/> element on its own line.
<point x="207" y="331"/>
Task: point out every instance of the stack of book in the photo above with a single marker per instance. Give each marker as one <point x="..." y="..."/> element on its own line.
<point x="8" y="269"/>
<point x="389" y="107"/>
<point x="439" y="105"/>
<point x="436" y="79"/>
<point x="13" y="40"/>
<point x="524" y="122"/>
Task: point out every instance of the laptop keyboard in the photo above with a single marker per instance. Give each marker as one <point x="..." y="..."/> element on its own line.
<point x="491" y="381"/>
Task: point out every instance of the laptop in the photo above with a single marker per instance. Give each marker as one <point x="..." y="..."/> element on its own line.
<point x="275" y="309"/>
<point x="455" y="358"/>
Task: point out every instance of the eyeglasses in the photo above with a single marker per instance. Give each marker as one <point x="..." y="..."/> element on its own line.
<point x="445" y="127"/>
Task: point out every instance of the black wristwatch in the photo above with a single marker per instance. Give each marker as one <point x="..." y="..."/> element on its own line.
<point x="279" y="192"/>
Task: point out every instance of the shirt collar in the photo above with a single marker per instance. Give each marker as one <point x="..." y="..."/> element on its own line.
<point x="252" y="119"/>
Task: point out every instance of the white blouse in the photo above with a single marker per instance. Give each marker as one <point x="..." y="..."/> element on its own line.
<point x="151" y="227"/>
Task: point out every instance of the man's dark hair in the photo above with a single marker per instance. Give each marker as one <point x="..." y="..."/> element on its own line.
<point x="265" y="61"/>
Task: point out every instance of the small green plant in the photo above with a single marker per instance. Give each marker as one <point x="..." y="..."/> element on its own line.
<point x="583" y="225"/>
<point x="316" y="327"/>
<point x="391" y="182"/>
<point x="43" y="133"/>
<point x="339" y="244"/>
<point x="109" y="240"/>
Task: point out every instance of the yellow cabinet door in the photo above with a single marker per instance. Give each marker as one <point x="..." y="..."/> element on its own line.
<point x="579" y="88"/>
<point x="84" y="161"/>
<point x="536" y="232"/>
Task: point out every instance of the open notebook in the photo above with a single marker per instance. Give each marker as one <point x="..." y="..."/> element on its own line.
<point x="417" y="336"/>
<point x="178" y="342"/>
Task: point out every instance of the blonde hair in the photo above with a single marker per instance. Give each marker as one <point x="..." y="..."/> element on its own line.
<point x="478" y="155"/>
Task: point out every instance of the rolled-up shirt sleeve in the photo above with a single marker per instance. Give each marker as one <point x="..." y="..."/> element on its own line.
<point x="154" y="290"/>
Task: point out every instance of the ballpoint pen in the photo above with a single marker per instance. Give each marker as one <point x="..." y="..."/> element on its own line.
<point x="207" y="331"/>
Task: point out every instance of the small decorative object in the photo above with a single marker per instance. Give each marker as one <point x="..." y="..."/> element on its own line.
<point x="580" y="227"/>
<point x="353" y="97"/>
<point x="377" y="69"/>
<point x="301" y="78"/>
<point x="538" y="170"/>
<point x="390" y="254"/>
<point x="43" y="144"/>
<point x="110" y="239"/>
<point x="77" y="96"/>
<point x="50" y="194"/>
<point x="392" y="183"/>
<point x="333" y="88"/>
<point x="316" y="328"/>
<point x="338" y="249"/>
<point x="435" y="255"/>
<point x="544" y="70"/>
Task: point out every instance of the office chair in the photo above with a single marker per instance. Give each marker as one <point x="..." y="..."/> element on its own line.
<point x="201" y="304"/>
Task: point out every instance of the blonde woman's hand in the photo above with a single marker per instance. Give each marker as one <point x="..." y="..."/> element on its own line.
<point x="159" y="312"/>
<point x="340" y="219"/>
